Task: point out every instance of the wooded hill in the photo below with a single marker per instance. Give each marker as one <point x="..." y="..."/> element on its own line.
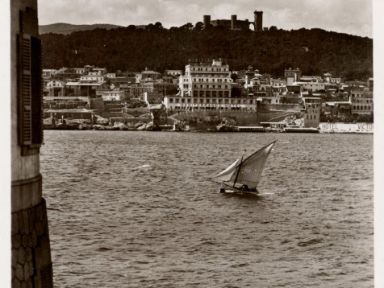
<point x="314" y="51"/>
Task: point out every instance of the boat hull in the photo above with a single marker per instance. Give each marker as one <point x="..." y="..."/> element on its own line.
<point x="234" y="191"/>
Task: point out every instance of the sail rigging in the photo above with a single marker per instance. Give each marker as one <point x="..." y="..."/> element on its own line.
<point x="246" y="171"/>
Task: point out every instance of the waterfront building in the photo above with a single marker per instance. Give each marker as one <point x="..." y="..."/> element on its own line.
<point x="65" y="102"/>
<point x="31" y="256"/>
<point x="370" y="84"/>
<point x="340" y="109"/>
<point x="208" y="86"/>
<point x="69" y="114"/>
<point x="312" y="108"/>
<point x="362" y="101"/>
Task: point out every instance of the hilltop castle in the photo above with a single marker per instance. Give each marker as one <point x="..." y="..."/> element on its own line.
<point x="235" y="24"/>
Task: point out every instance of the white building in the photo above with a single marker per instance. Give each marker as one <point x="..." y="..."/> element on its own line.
<point x="92" y="78"/>
<point x="55" y="88"/>
<point x="207" y="86"/>
<point x="48" y="73"/>
<point x="206" y="80"/>
<point x="112" y="95"/>
<point x="173" y="72"/>
<point x="312" y="86"/>
<point x="110" y="75"/>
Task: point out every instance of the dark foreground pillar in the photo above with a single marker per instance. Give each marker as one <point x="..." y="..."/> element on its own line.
<point x="31" y="254"/>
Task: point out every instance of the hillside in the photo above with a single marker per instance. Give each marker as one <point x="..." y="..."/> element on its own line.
<point x="314" y="51"/>
<point x="65" y="28"/>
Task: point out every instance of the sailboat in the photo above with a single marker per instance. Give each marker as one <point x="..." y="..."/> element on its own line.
<point x="243" y="175"/>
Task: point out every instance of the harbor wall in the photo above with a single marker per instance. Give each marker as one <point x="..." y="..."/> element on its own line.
<point x="242" y="118"/>
<point x="346" y="127"/>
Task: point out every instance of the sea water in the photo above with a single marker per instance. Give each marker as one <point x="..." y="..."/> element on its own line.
<point x="136" y="209"/>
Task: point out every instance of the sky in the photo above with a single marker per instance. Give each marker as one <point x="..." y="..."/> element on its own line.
<point x="346" y="16"/>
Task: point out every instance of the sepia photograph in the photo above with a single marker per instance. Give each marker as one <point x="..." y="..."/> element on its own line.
<point x="166" y="143"/>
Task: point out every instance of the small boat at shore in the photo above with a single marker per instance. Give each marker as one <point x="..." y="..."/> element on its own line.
<point x="243" y="175"/>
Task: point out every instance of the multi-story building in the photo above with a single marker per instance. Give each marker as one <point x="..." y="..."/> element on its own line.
<point x="206" y="80"/>
<point x="312" y="112"/>
<point x="362" y="101"/>
<point x="207" y="86"/>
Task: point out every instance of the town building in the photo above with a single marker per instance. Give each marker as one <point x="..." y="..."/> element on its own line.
<point x="49" y="73"/>
<point x="81" y="88"/>
<point x="80" y="71"/>
<point x="173" y="72"/>
<point x="292" y="75"/>
<point x="92" y="77"/>
<point x="147" y="75"/>
<point x="312" y="106"/>
<point x="207" y="86"/>
<point x="362" y="101"/>
<point x="55" y="88"/>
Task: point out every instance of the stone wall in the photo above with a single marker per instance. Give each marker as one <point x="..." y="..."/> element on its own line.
<point x="31" y="257"/>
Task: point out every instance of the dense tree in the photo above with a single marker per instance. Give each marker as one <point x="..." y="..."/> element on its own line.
<point x="315" y="51"/>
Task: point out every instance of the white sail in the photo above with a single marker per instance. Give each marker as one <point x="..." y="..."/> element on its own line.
<point x="250" y="169"/>
<point x="226" y="175"/>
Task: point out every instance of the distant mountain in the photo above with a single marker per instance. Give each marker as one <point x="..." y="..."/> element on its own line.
<point x="65" y="28"/>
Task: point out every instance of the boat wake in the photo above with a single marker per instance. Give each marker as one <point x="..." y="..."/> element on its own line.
<point x="142" y="167"/>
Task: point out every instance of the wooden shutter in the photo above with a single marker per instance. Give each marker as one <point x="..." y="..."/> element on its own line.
<point x="36" y="70"/>
<point x="25" y="86"/>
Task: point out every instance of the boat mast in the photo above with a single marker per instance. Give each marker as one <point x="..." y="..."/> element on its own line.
<point x="238" y="171"/>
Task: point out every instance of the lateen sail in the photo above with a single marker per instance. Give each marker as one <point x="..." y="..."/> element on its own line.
<point x="227" y="174"/>
<point x="247" y="171"/>
<point x="251" y="168"/>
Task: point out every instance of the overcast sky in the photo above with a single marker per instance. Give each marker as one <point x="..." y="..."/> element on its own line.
<point x="348" y="16"/>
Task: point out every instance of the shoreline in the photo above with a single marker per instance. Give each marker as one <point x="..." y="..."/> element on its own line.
<point x="259" y="130"/>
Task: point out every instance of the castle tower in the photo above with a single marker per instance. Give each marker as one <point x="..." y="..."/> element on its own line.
<point x="233" y="22"/>
<point x="207" y="21"/>
<point x="31" y="255"/>
<point x="258" y="21"/>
